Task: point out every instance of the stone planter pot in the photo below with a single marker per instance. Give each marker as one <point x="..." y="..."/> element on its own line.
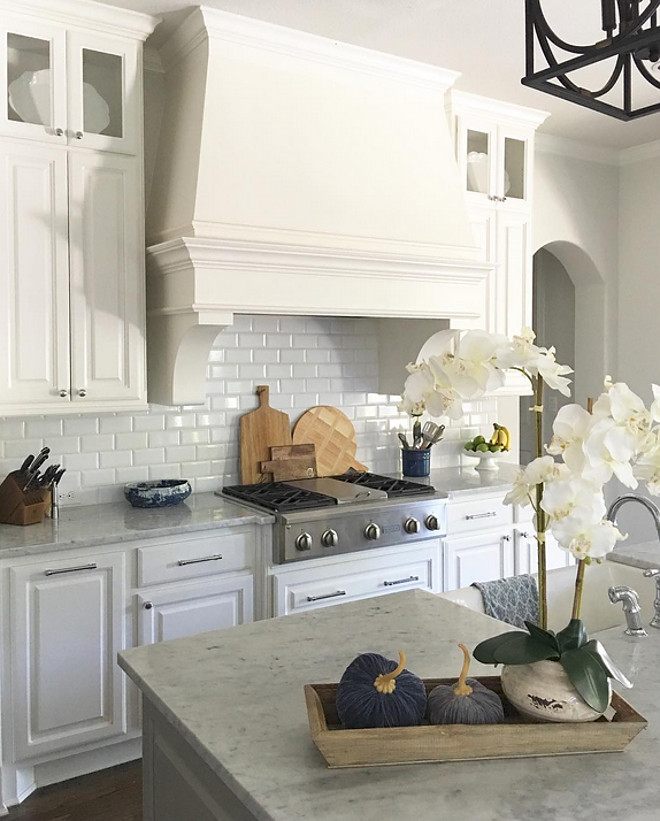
<point x="543" y="690"/>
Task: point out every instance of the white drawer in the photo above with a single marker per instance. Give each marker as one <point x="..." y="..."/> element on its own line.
<point x="304" y="590"/>
<point x="179" y="559"/>
<point x="478" y="514"/>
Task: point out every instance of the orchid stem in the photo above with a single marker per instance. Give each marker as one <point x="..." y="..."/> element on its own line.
<point x="541" y="522"/>
<point x="579" y="585"/>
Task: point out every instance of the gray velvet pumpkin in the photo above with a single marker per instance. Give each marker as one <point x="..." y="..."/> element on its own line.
<point x="466" y="702"/>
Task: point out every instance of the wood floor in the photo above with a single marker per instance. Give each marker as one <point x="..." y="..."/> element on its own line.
<point x="110" y="795"/>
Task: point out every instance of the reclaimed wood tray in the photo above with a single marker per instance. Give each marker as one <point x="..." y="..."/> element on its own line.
<point x="518" y="737"/>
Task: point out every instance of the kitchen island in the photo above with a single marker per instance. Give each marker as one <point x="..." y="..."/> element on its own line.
<point x="226" y="732"/>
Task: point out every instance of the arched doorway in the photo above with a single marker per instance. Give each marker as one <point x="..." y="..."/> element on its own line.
<point x="569" y="313"/>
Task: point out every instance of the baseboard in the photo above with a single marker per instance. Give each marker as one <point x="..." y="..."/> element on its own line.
<point x="62" y="769"/>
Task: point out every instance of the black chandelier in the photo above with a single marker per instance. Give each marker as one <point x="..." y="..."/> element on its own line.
<point x="631" y="42"/>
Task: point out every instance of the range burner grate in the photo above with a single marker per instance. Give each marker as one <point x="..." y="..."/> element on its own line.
<point x="278" y="496"/>
<point x="395" y="488"/>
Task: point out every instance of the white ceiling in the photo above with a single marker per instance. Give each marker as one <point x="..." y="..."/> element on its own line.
<point x="483" y="39"/>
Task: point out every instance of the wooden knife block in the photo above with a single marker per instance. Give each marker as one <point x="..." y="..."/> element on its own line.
<point x="19" y="508"/>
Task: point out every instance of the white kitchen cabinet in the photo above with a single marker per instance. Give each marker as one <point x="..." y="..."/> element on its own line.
<point x="482" y="557"/>
<point x="73" y="320"/>
<point x="180" y="610"/>
<point x="526" y="551"/>
<point x="72" y="212"/>
<point x="71" y="86"/>
<point x="321" y="583"/>
<point x="67" y="625"/>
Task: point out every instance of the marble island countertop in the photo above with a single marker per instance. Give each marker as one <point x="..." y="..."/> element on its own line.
<point x="645" y="555"/>
<point x="95" y="525"/>
<point x="236" y="697"/>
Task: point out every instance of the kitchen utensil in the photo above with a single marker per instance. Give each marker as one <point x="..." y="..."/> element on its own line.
<point x="417" y="434"/>
<point x="429" y="432"/>
<point x="26" y="464"/>
<point x="437" y="436"/>
<point x="291" y="462"/>
<point x="334" y="436"/>
<point x="403" y="440"/>
<point x="260" y="430"/>
<point x="42" y="457"/>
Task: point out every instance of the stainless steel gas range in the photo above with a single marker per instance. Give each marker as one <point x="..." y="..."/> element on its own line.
<point x="344" y="514"/>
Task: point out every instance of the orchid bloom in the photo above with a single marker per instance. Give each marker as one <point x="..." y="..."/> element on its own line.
<point x="627" y="410"/>
<point x="539" y="471"/>
<point x="647" y="469"/>
<point x="536" y="361"/>
<point x="570" y="429"/>
<point x="609" y="449"/>
<point x="655" y="407"/>
<point x="585" y="538"/>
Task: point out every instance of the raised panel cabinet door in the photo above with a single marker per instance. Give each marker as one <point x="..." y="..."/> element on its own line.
<point x="106" y="249"/>
<point x="67" y="627"/>
<point x="104" y="92"/>
<point x="479" y="558"/>
<point x="185" y="610"/>
<point x="33" y="80"/>
<point x="34" y="277"/>
<point x="483" y="221"/>
<point x="514" y="276"/>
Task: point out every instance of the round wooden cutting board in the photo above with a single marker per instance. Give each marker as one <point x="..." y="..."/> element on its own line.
<point x="333" y="434"/>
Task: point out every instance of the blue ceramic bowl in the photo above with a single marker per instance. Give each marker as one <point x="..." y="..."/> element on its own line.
<point x="164" y="493"/>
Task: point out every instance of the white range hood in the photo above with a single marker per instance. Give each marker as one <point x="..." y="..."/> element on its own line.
<point x="297" y="175"/>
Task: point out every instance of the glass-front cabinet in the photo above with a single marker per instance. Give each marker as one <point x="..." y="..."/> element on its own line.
<point x="494" y="161"/>
<point x="69" y="87"/>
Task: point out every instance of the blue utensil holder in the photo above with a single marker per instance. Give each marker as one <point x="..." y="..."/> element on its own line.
<point x="416" y="462"/>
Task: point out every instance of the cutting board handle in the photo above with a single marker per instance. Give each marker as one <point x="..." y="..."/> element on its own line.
<point x="263" y="392"/>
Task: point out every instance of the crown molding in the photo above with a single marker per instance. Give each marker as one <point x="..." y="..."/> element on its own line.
<point x="77" y="13"/>
<point x="462" y="102"/>
<point x="565" y="147"/>
<point x="217" y="25"/>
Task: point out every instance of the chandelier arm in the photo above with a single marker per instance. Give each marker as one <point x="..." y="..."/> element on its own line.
<point x="541" y="24"/>
<point x="551" y="60"/>
<point x="641" y="19"/>
<point x="646" y="74"/>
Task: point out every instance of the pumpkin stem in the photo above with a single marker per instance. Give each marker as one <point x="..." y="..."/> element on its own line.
<point x="463" y="689"/>
<point x="385" y="682"/>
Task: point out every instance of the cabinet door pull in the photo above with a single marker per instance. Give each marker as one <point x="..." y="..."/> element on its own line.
<point x="402" y="581"/>
<point x="327" y="596"/>
<point x="78" y="135"/>
<point x="148" y="605"/>
<point x="488" y="515"/>
<point x="506" y="538"/>
<point x="76" y="569"/>
<point x="215" y="558"/>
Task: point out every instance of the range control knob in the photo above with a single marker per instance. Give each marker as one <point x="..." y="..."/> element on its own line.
<point x="372" y="532"/>
<point x="412" y="525"/>
<point x="304" y="542"/>
<point x="432" y="522"/>
<point x="330" y="538"/>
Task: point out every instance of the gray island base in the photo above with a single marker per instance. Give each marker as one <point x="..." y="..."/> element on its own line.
<point x="226" y="734"/>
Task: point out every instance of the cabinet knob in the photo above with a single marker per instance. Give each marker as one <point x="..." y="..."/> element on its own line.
<point x="506" y="537"/>
<point x="64" y="393"/>
<point x="79" y="135"/>
<point x="59" y="132"/>
<point x="82" y="392"/>
<point x="148" y="605"/>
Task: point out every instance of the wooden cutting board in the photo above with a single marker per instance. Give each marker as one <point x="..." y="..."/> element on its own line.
<point x="334" y="436"/>
<point x="291" y="462"/>
<point x="260" y="430"/>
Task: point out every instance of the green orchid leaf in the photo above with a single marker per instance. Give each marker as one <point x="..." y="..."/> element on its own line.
<point x="587" y="676"/>
<point x="573" y="636"/>
<point x="544" y="636"/>
<point x="485" y="650"/>
<point x="524" y="650"/>
<point x="598" y="651"/>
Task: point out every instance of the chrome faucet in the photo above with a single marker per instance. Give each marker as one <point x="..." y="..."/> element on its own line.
<point x="631" y="609"/>
<point x="652" y="508"/>
<point x="655" y="621"/>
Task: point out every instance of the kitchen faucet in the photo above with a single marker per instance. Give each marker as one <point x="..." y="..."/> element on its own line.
<point x="652" y="508"/>
<point x="655" y="512"/>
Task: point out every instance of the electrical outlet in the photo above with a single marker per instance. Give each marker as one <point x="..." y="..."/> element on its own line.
<point x="71" y="497"/>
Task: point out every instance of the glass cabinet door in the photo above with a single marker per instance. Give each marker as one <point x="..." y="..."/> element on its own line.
<point x="478" y="161"/>
<point x="33" y="76"/>
<point x="104" y="93"/>
<point x="514" y="184"/>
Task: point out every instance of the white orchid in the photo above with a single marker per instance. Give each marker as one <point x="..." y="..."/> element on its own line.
<point x="655" y="407"/>
<point x="539" y="471"/>
<point x="627" y="410"/>
<point x="524" y="354"/>
<point x="473" y="364"/>
<point x="647" y="469"/>
<point x="571" y="495"/>
<point x="586" y="539"/>
<point x="570" y="430"/>
<point x="609" y="449"/>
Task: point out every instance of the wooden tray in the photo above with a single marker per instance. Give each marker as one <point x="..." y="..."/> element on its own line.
<point x="517" y="737"/>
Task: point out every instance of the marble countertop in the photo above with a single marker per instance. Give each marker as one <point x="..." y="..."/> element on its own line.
<point x="459" y="482"/>
<point x="94" y="525"/>
<point x="645" y="555"/>
<point x="237" y="697"/>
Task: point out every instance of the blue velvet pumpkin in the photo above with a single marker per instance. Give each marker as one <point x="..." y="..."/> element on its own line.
<point x="377" y="692"/>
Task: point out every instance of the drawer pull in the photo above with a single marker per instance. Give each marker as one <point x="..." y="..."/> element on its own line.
<point x="327" y="596"/>
<point x="488" y="515"/>
<point x="402" y="581"/>
<point x="58" y="572"/>
<point x="215" y="558"/>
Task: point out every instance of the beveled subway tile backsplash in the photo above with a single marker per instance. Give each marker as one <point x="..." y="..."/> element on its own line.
<point x="306" y="361"/>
